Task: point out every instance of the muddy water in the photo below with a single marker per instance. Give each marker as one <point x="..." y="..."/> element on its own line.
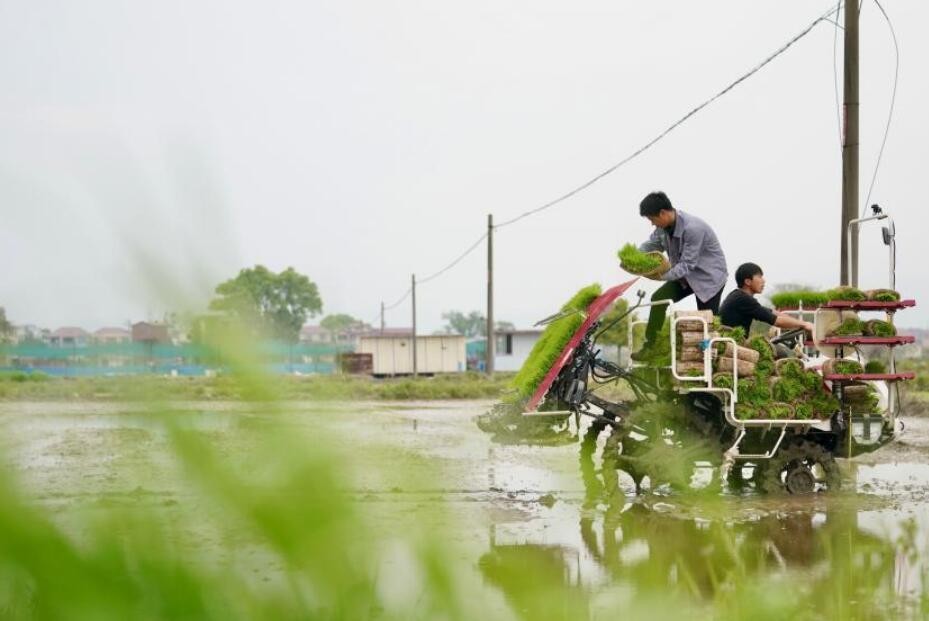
<point x="426" y="467"/>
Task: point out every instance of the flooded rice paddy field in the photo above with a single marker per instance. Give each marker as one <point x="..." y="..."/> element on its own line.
<point x="426" y="468"/>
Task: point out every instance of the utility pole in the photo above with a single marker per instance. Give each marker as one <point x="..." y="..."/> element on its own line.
<point x="850" y="144"/>
<point x="491" y="338"/>
<point x="413" y="281"/>
<point x="382" y="318"/>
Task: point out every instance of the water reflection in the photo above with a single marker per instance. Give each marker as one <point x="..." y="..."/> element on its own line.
<point x="813" y="557"/>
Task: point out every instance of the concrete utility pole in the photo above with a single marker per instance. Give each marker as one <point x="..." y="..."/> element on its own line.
<point x="382" y="318"/>
<point x="413" y="281"/>
<point x="491" y="337"/>
<point x="850" y="143"/>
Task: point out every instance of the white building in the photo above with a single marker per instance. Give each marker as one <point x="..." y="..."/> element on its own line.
<point x="513" y="347"/>
<point x="393" y="354"/>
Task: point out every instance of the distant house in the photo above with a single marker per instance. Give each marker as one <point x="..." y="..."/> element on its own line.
<point x="151" y="333"/>
<point x="314" y="334"/>
<point x="69" y="337"/>
<point x="29" y="333"/>
<point x="392" y="354"/>
<point x="512" y="347"/>
<point x="110" y="336"/>
<point x="310" y="334"/>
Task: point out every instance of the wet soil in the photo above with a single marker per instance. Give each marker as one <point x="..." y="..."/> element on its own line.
<point x="426" y="466"/>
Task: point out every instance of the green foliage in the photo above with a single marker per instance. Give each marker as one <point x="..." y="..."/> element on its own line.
<point x="850" y="326"/>
<point x="339" y="323"/>
<point x="635" y="261"/>
<point x="764" y="368"/>
<point x="875" y="367"/>
<point x="847" y="367"/>
<point x="6" y="328"/>
<point x="23" y="376"/>
<point x="878" y="327"/>
<point x="848" y="294"/>
<point x="21" y="386"/>
<point x="553" y="339"/>
<point x="884" y="295"/>
<point x="275" y="305"/>
<point x="471" y="324"/>
<point x="793" y="299"/>
<point x="618" y="334"/>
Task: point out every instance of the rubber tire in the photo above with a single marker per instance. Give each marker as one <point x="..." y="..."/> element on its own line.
<point x="803" y="450"/>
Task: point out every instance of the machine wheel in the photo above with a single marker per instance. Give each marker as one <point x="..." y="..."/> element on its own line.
<point x="802" y="467"/>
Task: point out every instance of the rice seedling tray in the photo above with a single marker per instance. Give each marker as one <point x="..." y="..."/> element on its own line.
<point x="868" y="340"/>
<point x="870" y="377"/>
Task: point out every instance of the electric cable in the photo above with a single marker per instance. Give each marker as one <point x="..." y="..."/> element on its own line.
<point x="835" y="73"/>
<point x="890" y="111"/>
<point x="825" y="17"/>
<point x="455" y="262"/>
<point x="672" y="127"/>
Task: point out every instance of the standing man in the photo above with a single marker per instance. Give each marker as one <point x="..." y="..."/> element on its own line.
<point x="698" y="265"/>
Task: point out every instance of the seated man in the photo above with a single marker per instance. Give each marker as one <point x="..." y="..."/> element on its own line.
<point x="740" y="307"/>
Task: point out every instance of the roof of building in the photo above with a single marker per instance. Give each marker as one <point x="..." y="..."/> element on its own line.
<point x="69" y="332"/>
<point x="112" y="331"/>
<point x="376" y="334"/>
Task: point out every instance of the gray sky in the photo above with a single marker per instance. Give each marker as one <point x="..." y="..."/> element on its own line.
<point x="149" y="150"/>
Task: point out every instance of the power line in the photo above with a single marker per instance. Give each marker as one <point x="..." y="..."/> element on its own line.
<point x="457" y="260"/>
<point x="835" y="71"/>
<point x="890" y="112"/>
<point x="672" y="127"/>
<point x="824" y="17"/>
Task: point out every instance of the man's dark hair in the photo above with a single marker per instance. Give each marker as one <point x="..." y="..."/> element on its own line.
<point x="745" y="272"/>
<point x="653" y="204"/>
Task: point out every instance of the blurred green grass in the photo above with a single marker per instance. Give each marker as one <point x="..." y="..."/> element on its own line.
<point x="37" y="387"/>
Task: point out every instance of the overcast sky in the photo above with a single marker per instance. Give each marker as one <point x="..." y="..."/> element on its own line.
<point x="150" y="150"/>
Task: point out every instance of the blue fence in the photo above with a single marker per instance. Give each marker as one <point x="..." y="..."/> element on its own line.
<point x="116" y="359"/>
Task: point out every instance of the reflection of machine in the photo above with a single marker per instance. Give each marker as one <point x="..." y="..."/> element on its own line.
<point x="792" y="454"/>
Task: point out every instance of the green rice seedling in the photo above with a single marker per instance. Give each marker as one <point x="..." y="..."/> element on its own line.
<point x="878" y="327"/>
<point x="635" y="261"/>
<point x="789" y="367"/>
<point x="875" y="367"/>
<point x="779" y="410"/>
<point x="754" y="391"/>
<point x="722" y="380"/>
<point x="884" y="295"/>
<point x="793" y="299"/>
<point x="553" y="339"/>
<point x="846" y="293"/>
<point x="845" y="367"/>
<point x="765" y="365"/>
<point x="789" y="389"/>
<point x="850" y="326"/>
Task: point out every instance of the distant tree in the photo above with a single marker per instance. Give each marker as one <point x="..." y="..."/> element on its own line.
<point x="500" y="326"/>
<point x="617" y="334"/>
<point x="469" y="325"/>
<point x="472" y="324"/>
<point x="340" y="323"/>
<point x="6" y="328"/>
<point x="276" y="305"/>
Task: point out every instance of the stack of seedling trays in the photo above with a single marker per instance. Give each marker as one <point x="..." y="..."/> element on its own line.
<point x="872" y="333"/>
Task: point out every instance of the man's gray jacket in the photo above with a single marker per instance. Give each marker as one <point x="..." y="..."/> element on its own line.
<point x="695" y="254"/>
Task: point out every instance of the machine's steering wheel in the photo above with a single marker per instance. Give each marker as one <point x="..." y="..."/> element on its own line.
<point x="788" y="336"/>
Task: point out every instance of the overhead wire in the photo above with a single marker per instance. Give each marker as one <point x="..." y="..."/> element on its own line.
<point x="890" y="111"/>
<point x="835" y="74"/>
<point x="455" y="262"/>
<point x="672" y="127"/>
<point x="825" y="17"/>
